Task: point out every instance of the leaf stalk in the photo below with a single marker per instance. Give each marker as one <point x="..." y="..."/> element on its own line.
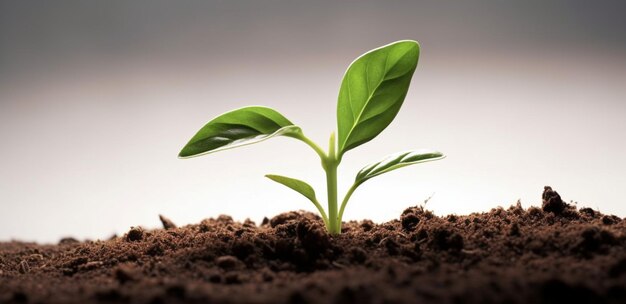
<point x="313" y="145"/>
<point x="345" y="201"/>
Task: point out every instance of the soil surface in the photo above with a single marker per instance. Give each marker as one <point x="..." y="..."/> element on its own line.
<point x="553" y="254"/>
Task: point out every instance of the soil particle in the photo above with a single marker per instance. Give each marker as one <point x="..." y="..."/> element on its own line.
<point x="444" y="239"/>
<point x="513" y="255"/>
<point x="409" y="221"/>
<point x="24" y="267"/>
<point x="265" y="221"/>
<point x="552" y="201"/>
<point x="135" y="234"/>
<point x="227" y="262"/>
<point x="283" y="218"/>
<point x="90" y="266"/>
<point x="67" y="241"/>
<point x="243" y="248"/>
<point x="610" y="219"/>
<point x="514" y="230"/>
<point x="367" y="225"/>
<point x="358" y="255"/>
<point x="588" y="212"/>
<point x="312" y="236"/>
<point x="390" y="245"/>
<point x="167" y="223"/>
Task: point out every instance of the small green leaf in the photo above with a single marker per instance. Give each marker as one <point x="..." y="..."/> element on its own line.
<point x="395" y="161"/>
<point x="300" y="187"/>
<point x="389" y="163"/>
<point x="295" y="184"/>
<point x="372" y="92"/>
<point x="237" y="128"/>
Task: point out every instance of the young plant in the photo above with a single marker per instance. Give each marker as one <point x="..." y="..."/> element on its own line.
<point x="371" y="94"/>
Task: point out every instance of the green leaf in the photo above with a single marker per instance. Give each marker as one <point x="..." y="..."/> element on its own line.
<point x="295" y="184"/>
<point x="372" y="92"/>
<point x="237" y="128"/>
<point x="395" y="161"/>
<point x="300" y="187"/>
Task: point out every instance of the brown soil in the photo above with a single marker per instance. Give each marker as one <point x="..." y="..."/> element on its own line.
<point x="554" y="254"/>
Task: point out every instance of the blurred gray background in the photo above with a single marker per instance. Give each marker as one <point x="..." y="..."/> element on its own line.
<point x="97" y="98"/>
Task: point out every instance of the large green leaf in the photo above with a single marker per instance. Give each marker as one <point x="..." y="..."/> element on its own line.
<point x="237" y="128"/>
<point x="300" y="187"/>
<point x="372" y="92"/>
<point x="395" y="161"/>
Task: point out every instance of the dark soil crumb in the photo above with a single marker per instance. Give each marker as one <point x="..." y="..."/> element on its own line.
<point x="167" y="223"/>
<point x="553" y="254"/>
<point x="135" y="234"/>
<point x="552" y="201"/>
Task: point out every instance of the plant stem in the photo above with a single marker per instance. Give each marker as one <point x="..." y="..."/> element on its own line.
<point x="331" y="185"/>
<point x="330" y="164"/>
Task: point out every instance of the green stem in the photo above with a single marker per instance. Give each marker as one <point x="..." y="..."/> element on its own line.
<point x="331" y="185"/>
<point x="345" y="201"/>
<point x="330" y="165"/>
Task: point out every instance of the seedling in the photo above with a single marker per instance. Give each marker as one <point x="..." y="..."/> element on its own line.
<point x="371" y="94"/>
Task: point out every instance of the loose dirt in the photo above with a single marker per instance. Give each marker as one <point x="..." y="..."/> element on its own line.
<point x="554" y="254"/>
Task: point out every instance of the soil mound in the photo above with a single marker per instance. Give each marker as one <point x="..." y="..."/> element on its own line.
<point x="554" y="254"/>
